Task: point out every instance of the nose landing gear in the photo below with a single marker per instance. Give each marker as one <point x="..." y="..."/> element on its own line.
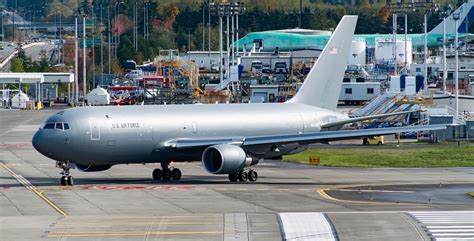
<point x="66" y="178"/>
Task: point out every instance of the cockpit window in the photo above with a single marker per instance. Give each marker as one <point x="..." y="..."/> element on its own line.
<point x="59" y="126"/>
<point x="49" y="126"/>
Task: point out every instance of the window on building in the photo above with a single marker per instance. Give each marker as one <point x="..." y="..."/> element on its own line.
<point x="346" y="80"/>
<point x="349" y="91"/>
<point x="370" y="90"/>
<point x="418" y="70"/>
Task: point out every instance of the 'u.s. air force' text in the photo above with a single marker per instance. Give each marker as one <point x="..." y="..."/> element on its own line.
<point x="125" y="125"/>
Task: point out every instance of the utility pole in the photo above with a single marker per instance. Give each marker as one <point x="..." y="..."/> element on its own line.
<point x="444" y="56"/>
<point x="101" y="47"/>
<point x="209" y="29"/>
<point x="60" y="47"/>
<point x="232" y="38"/>
<point x="426" y="55"/>
<point x="227" y="72"/>
<point x="301" y="14"/>
<point x="76" y="61"/>
<point x="93" y="50"/>
<point x="108" y="39"/>
<point x="144" y="19"/>
<point x="14" y="8"/>
<point x="3" y="31"/>
<point x="406" y="44"/>
<point x="395" y="68"/>
<point x="84" y="60"/>
<point x="456" y="67"/>
<point x="203" y="26"/>
<point x="221" y="74"/>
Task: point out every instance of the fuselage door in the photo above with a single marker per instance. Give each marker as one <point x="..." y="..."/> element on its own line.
<point x="195" y="128"/>
<point x="94" y="129"/>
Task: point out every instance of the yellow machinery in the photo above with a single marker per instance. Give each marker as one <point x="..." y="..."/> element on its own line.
<point x="171" y="66"/>
<point x="375" y="140"/>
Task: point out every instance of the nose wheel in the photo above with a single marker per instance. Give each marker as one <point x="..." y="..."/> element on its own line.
<point x="66" y="178"/>
<point x="244" y="176"/>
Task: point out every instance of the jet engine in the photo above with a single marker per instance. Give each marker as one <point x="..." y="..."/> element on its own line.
<point x="92" y="168"/>
<point x="225" y="159"/>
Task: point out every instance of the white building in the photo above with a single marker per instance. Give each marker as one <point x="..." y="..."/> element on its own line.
<point x="384" y="50"/>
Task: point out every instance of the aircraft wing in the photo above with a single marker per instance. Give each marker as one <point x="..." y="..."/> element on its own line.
<point x="305" y="138"/>
<point x="364" y="118"/>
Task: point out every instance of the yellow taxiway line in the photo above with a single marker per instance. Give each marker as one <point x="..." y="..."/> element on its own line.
<point x="34" y="189"/>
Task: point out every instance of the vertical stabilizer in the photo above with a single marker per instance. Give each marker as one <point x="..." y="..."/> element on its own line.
<point x="322" y="85"/>
<point x="466" y="14"/>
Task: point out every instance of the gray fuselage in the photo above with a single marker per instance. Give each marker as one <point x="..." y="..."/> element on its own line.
<point x="139" y="134"/>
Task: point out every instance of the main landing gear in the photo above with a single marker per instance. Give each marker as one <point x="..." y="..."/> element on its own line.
<point x="243" y="176"/>
<point x="66" y="178"/>
<point x="166" y="174"/>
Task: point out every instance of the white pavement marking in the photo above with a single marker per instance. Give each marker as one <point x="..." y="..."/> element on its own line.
<point x="306" y="226"/>
<point x="453" y="225"/>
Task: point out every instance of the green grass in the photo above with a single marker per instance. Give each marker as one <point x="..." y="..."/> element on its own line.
<point x="391" y="156"/>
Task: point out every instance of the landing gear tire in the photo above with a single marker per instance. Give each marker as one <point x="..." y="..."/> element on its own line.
<point x="157" y="174"/>
<point x="233" y="177"/>
<point x="69" y="181"/>
<point x="176" y="174"/>
<point x="66" y="178"/>
<point x="243" y="176"/>
<point x="167" y="174"/>
<point x="253" y="176"/>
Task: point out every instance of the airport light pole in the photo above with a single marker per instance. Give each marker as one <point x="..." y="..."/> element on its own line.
<point x="406" y="44"/>
<point x="76" y="61"/>
<point x="425" y="56"/>
<point x="84" y="60"/>
<point x="219" y="9"/>
<point x="456" y="66"/>
<point x="444" y="55"/>
<point x="109" y="31"/>
<point x="236" y="9"/>
<point x="203" y="28"/>
<point x="227" y="43"/>
<point x="445" y="72"/>
<point x="395" y="69"/>
<point x="399" y="6"/>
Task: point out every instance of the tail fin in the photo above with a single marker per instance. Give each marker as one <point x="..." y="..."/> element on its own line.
<point x="466" y="14"/>
<point x="322" y="85"/>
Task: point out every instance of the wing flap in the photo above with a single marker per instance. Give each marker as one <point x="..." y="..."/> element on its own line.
<point x="297" y="138"/>
<point x="336" y="135"/>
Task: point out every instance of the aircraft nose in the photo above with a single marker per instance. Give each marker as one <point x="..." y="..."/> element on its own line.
<point x="40" y="141"/>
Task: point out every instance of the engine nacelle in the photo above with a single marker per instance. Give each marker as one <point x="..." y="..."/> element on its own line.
<point x="92" y="168"/>
<point x="225" y="159"/>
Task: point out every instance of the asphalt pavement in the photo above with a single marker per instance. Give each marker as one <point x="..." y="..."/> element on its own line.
<point x="124" y="203"/>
